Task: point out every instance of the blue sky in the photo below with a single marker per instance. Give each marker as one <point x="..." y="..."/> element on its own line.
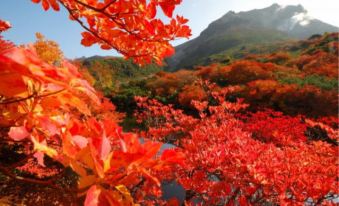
<point x="28" y="18"/>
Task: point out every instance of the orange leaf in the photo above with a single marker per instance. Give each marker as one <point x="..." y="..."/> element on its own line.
<point x="18" y="86"/>
<point x="85" y="181"/>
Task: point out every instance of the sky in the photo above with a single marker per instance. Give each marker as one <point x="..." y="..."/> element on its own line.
<point x="28" y="18"/>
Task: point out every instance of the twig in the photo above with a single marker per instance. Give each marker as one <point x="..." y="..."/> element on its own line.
<point x="34" y="95"/>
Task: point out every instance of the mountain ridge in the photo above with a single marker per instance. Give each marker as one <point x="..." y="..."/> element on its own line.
<point x="267" y="25"/>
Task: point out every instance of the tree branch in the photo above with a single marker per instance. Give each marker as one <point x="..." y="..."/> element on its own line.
<point x="122" y="25"/>
<point x="88" y="29"/>
<point x="8" y="173"/>
<point x="34" y="95"/>
<point x="107" y="5"/>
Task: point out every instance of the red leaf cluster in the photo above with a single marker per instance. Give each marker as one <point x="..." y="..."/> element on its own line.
<point x="232" y="158"/>
<point x="51" y="111"/>
<point x="130" y="27"/>
<point x="4" y="25"/>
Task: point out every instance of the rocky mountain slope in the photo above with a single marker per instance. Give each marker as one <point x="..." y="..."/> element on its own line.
<point x="237" y="30"/>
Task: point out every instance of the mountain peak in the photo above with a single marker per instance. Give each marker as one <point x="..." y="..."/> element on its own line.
<point x="275" y="5"/>
<point x="297" y="7"/>
<point x="271" y="24"/>
<point x="285" y="18"/>
<point x="230" y="13"/>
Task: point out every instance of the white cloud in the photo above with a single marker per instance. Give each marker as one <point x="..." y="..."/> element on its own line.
<point x="302" y="18"/>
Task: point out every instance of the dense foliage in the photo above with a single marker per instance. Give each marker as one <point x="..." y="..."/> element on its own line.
<point x="110" y="74"/>
<point x="50" y="110"/>
<point x="62" y="143"/>
<point x="130" y="27"/>
<point x="263" y="158"/>
<point x="53" y="121"/>
<point x="298" y="79"/>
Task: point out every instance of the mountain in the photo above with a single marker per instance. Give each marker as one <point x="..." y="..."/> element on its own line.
<point x="235" y="31"/>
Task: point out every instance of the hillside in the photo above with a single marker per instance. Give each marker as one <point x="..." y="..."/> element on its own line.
<point x="234" y="31"/>
<point x="108" y="73"/>
<point x="298" y="78"/>
<point x="295" y="77"/>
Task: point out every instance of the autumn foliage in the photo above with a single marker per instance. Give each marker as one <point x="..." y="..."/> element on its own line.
<point x="130" y="27"/>
<point x="235" y="158"/>
<point x="305" y="83"/>
<point x="50" y="112"/>
<point x="229" y="145"/>
<point x="47" y="50"/>
<point x="4" y="25"/>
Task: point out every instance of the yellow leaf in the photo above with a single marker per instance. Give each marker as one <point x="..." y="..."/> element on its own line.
<point x="44" y="148"/>
<point x="107" y="162"/>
